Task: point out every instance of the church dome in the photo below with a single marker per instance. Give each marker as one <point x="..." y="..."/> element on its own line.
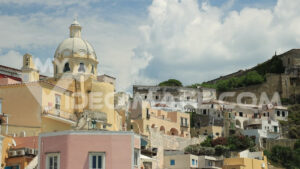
<point x="75" y="56"/>
<point x="75" y="46"/>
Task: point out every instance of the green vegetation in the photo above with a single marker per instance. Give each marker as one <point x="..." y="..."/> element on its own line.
<point x="292" y="126"/>
<point x="222" y="145"/>
<point x="207" y="85"/>
<point x="256" y="76"/>
<point x="251" y="78"/>
<point x="274" y="65"/>
<point x="285" y="156"/>
<point x="171" y="82"/>
<point x="192" y="119"/>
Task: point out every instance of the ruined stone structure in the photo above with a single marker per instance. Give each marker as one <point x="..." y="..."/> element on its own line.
<point x="286" y="84"/>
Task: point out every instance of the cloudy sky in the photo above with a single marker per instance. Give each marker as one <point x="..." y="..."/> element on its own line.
<point x="145" y="42"/>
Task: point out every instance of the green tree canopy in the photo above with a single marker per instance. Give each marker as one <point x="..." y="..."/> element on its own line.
<point x="171" y="82"/>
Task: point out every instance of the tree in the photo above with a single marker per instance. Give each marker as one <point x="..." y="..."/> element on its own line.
<point x="252" y="78"/>
<point x="171" y="82"/>
<point x="222" y="150"/>
<point x="207" y="142"/>
<point x="292" y="126"/>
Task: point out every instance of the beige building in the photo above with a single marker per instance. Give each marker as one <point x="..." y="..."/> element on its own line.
<point x="179" y="160"/>
<point x="247" y="160"/>
<point x="214" y="131"/>
<point x="144" y="117"/>
<point x="72" y="99"/>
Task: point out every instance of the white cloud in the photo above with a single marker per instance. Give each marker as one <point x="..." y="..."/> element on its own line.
<point x="11" y="58"/>
<point x="195" y="42"/>
<point x="180" y="39"/>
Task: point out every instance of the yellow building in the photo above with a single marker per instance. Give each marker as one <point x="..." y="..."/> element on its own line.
<point x="72" y="99"/>
<point x="145" y="117"/>
<point x="247" y="160"/>
<point x="214" y="131"/>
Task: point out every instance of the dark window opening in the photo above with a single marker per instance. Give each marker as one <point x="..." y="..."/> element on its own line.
<point x="93" y="69"/>
<point x="81" y="68"/>
<point x="241" y="114"/>
<point x="67" y="67"/>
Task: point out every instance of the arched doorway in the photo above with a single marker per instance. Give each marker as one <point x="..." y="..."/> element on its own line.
<point x="174" y="132"/>
<point x="162" y="129"/>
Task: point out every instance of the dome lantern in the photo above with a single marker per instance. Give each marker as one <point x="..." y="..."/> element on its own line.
<point x="75" y="29"/>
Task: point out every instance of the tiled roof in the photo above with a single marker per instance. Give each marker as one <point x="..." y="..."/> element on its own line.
<point x="26" y="142"/>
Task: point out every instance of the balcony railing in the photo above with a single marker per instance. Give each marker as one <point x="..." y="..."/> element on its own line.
<point x="184" y="125"/>
<point x="59" y="113"/>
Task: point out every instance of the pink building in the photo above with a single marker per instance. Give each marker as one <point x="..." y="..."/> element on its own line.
<point x="89" y="150"/>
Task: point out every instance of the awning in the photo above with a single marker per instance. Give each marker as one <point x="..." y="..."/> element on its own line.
<point x="146" y="158"/>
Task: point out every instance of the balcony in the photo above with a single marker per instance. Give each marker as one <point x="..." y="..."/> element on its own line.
<point x="59" y="115"/>
<point x="184" y="125"/>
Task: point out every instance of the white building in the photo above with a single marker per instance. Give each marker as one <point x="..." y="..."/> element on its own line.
<point x="172" y="98"/>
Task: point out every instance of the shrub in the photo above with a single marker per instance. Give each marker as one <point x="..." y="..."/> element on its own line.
<point x="206" y="151"/>
<point x="207" y="142"/>
<point x="219" y="141"/>
<point x="222" y="150"/>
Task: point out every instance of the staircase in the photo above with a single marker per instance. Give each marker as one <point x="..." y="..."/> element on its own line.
<point x="33" y="163"/>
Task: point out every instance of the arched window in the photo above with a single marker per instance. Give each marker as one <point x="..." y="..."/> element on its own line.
<point x="93" y="69"/>
<point x="81" y="68"/>
<point x="67" y="67"/>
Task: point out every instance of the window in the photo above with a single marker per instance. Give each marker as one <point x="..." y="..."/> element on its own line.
<point x="241" y="114"/>
<point x="283" y="113"/>
<point x="67" y="67"/>
<point x="172" y="162"/>
<point x="97" y="161"/>
<point x="13" y="167"/>
<point x="0" y="106"/>
<point x="56" y="69"/>
<point x="156" y="97"/>
<point x="193" y="162"/>
<point x="53" y="161"/>
<point x="136" y="157"/>
<point x="81" y="67"/>
<point x="204" y="111"/>
<point x="145" y="96"/>
<point x="93" y="69"/>
<point x="278" y="113"/>
<point x="210" y="163"/>
<point x="147" y="113"/>
<point x="188" y="98"/>
<point x="57" y="101"/>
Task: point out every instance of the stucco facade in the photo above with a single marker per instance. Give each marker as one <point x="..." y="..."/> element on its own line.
<point x="72" y="99"/>
<point x="75" y="147"/>
<point x="247" y="160"/>
<point x="145" y="117"/>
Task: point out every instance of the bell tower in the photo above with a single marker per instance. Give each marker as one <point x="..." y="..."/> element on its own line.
<point x="29" y="72"/>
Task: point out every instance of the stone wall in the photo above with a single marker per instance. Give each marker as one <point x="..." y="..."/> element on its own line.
<point x="281" y="142"/>
<point x="272" y="85"/>
<point x="165" y="142"/>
